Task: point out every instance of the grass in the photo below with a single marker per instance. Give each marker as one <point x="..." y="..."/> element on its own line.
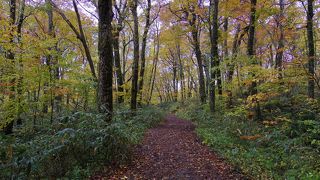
<point x="75" y="146"/>
<point x="275" y="155"/>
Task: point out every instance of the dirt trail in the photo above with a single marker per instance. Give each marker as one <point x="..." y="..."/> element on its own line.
<point x="173" y="151"/>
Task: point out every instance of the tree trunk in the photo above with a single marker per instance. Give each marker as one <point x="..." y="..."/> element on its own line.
<point x="175" y="79"/>
<point x="279" y="54"/>
<point x="181" y="69"/>
<point x="251" y="40"/>
<point x="116" y="49"/>
<point x="235" y="49"/>
<point x="251" y="36"/>
<point x="143" y="49"/>
<point x="155" y="63"/>
<point x="214" y="4"/>
<point x="135" y="67"/>
<point x="20" y="79"/>
<point x="251" y="54"/>
<point x="225" y="42"/>
<point x="207" y="73"/>
<point x="8" y="127"/>
<point x="105" y="57"/>
<point x="196" y="45"/>
<point x="84" y="41"/>
<point x="79" y="34"/>
<point x="311" y="49"/>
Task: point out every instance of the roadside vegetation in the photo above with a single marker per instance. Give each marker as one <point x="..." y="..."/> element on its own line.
<point x="75" y="146"/>
<point x="286" y="146"/>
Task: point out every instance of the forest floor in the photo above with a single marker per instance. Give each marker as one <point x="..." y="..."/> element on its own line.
<point x="172" y="150"/>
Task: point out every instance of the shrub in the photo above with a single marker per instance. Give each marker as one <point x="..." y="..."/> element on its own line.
<point x="270" y="154"/>
<point x="75" y="146"/>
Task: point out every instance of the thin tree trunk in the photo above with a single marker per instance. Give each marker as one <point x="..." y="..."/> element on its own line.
<point x="271" y="56"/>
<point x="251" y="39"/>
<point x="124" y="59"/>
<point x="235" y="49"/>
<point x="225" y="42"/>
<point x="155" y="63"/>
<point x="79" y="34"/>
<point x="8" y="127"/>
<point x="279" y="54"/>
<point x="116" y="49"/>
<point x="48" y="57"/>
<point x="143" y="50"/>
<point x="135" y="67"/>
<point x="198" y="53"/>
<point x="207" y="74"/>
<point x="20" y="79"/>
<point x="53" y="61"/>
<point x="251" y="54"/>
<point x="181" y="69"/>
<point x="311" y="49"/>
<point x="84" y="41"/>
<point x="175" y="80"/>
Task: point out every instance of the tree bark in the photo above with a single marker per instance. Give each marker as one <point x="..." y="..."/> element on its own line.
<point x="225" y="42"/>
<point x="279" y="54"/>
<point x="135" y="67"/>
<point x="311" y="49"/>
<point x="251" y="54"/>
<point x="121" y="9"/>
<point x="116" y="49"/>
<point x="143" y="49"/>
<point x="196" y="45"/>
<point x="181" y="69"/>
<point x="251" y="39"/>
<point x="8" y="127"/>
<point x="214" y="4"/>
<point x="105" y="58"/>
<point x="235" y="49"/>
<point x="175" y="79"/>
<point x="84" y="41"/>
<point x="155" y="63"/>
<point x="20" y="20"/>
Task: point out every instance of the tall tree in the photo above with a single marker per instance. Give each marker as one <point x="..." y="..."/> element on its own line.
<point x="214" y="7"/>
<point x="251" y="54"/>
<point x="8" y="128"/>
<point x="181" y="69"/>
<point x="143" y="48"/>
<point x="121" y="13"/>
<point x="105" y="57"/>
<point x="155" y="62"/>
<point x="135" y="67"/>
<point x="15" y="33"/>
<point x="197" y="49"/>
<point x="311" y="49"/>
<point x="50" y="62"/>
<point x="251" y="40"/>
<point x="279" y="54"/>
<point x="20" y="21"/>
<point x="79" y="34"/>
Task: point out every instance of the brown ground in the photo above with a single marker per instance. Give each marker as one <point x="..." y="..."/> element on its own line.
<point x="173" y="151"/>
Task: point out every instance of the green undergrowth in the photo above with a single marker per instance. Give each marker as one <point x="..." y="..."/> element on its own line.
<point x="75" y="146"/>
<point x="275" y="155"/>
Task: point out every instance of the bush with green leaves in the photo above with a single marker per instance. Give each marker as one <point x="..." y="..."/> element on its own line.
<point x="273" y="155"/>
<point x="75" y="145"/>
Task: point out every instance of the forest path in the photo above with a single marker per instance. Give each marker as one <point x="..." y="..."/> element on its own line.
<point x="173" y="151"/>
